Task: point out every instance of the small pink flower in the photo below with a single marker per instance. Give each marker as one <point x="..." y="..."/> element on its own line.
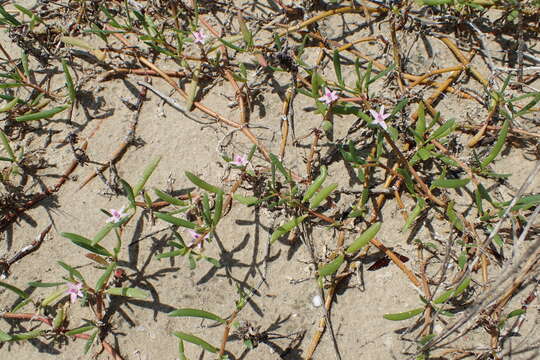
<point x="195" y="236"/>
<point x="329" y="96"/>
<point x="379" y="117"/>
<point x="199" y="37"/>
<point x="117" y="215"/>
<point x="74" y="291"/>
<point x="239" y="160"/>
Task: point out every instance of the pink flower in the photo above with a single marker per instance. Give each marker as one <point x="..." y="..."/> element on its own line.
<point x="117" y="215"/>
<point x="199" y="37"/>
<point x="74" y="291"/>
<point x="195" y="237"/>
<point x="379" y="117"/>
<point x="329" y="96"/>
<point x="239" y="160"/>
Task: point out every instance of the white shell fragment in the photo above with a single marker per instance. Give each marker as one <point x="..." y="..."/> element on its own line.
<point x="317" y="301"/>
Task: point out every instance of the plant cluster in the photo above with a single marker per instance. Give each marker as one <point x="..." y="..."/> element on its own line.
<point x="399" y="141"/>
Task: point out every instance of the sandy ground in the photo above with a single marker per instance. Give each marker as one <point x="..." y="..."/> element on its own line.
<point x="141" y="329"/>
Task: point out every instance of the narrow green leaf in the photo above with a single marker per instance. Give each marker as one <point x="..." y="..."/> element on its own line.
<point x="175" y="221"/>
<point x="42" y="114"/>
<point x="316" y="184"/>
<point x="213" y="261"/>
<point x="58" y="318"/>
<point x="69" y="81"/>
<point x="425" y="339"/>
<point x="437" y="2"/>
<point x="463" y="286"/>
<point x="454" y="220"/>
<point x="246" y="33"/>
<point x="192" y="262"/>
<point x="515" y="313"/>
<point x="10" y="105"/>
<point x="24" y="62"/>
<point x="453" y="292"/>
<point x="27" y="335"/>
<point x="86" y="244"/>
<point x="285" y="228"/>
<point x="15" y="289"/>
<point x="173" y="253"/>
<point x="421" y="121"/>
<point x="39" y="284"/>
<point x="484" y="194"/>
<point x="364" y="238"/>
<point x="129" y="192"/>
<point x="80" y="330"/>
<point x="462" y="259"/>
<point x="28" y="12"/>
<point x="197" y="313"/>
<point x="21" y="304"/>
<point x="277" y="41"/>
<point x="497" y="240"/>
<point x="104" y="278"/>
<point x="420" y="205"/>
<point x="146" y="174"/>
<point x="206" y="209"/>
<point x="337" y="68"/>
<point x="90" y="341"/>
<point x="381" y="74"/>
<point x="7" y="147"/>
<point x="128" y="292"/>
<point x="11" y="85"/>
<point x="196" y="340"/>
<point x="443" y="130"/>
<point x="527" y="107"/>
<point x="359" y="79"/>
<point x="112" y="20"/>
<point x="316" y="82"/>
<point x="10" y="18"/>
<point x="181" y="351"/>
<point x="74" y="273"/>
<point x="425" y="153"/>
<point x="498" y="145"/>
<point x="450" y="183"/>
<point x="444" y="297"/>
<point x="332" y="267"/>
<point x="246" y="200"/>
<point x="478" y="201"/>
<point x="102" y="233"/>
<point x="404" y="315"/>
<point x="4" y="337"/>
<point x="279" y="165"/>
<point x="168" y="198"/>
<point x="230" y="45"/>
<point x="147" y="199"/>
<point x="322" y="195"/>
<point x="218" y="208"/>
<point x="524" y="203"/>
<point x="201" y="183"/>
<point x="399" y="106"/>
<point x="52" y="297"/>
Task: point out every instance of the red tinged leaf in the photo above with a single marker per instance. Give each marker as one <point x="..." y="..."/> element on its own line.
<point x="385" y="261"/>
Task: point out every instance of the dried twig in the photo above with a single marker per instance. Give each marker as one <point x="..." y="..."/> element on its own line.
<point x="27" y="250"/>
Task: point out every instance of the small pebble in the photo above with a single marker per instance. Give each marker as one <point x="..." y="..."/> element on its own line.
<point x="316" y="301"/>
